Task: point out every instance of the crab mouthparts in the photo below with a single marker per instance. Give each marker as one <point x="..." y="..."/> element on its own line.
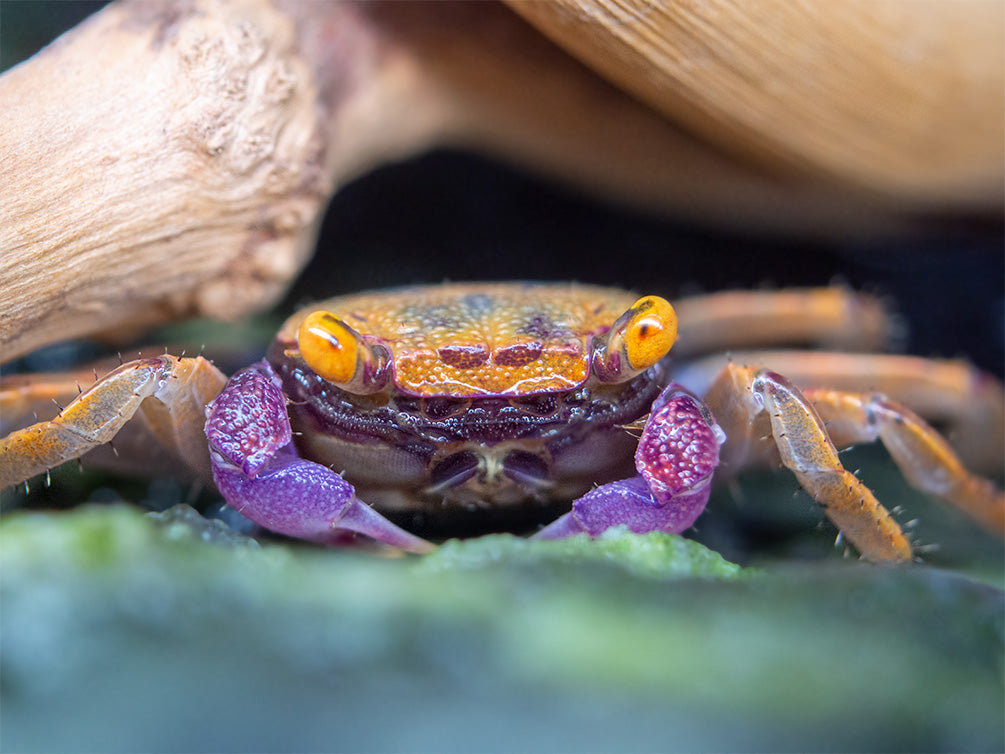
<point x="491" y="468"/>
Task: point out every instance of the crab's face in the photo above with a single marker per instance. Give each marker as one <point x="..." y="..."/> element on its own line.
<point x="460" y="394"/>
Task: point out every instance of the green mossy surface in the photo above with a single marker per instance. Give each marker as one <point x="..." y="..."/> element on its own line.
<point x="124" y="631"/>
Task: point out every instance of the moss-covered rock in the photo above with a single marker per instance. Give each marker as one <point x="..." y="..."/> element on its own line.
<point x="122" y="632"/>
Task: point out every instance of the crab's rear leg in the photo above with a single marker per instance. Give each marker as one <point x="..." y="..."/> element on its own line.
<point x="677" y="454"/>
<point x="170" y="393"/>
<point x="922" y="454"/>
<point x="764" y="410"/>
<point x="259" y="472"/>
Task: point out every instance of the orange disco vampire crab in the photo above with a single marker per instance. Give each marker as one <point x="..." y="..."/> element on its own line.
<point x="437" y="400"/>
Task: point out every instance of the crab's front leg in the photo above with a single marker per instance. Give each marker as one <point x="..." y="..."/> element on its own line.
<point x="164" y="394"/>
<point x="675" y="459"/>
<point x="259" y="472"/>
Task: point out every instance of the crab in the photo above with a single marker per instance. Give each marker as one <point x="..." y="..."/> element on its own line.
<point x="434" y="401"/>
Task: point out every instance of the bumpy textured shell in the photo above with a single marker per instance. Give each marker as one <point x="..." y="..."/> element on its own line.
<point x="481" y="339"/>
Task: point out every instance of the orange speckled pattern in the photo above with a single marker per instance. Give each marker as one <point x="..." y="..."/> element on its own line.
<point x="471" y="339"/>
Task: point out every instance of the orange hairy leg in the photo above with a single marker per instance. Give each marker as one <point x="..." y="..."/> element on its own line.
<point x="766" y="417"/>
<point x="967" y="405"/>
<point x="170" y="394"/>
<point x="922" y="455"/>
<point x="762" y="413"/>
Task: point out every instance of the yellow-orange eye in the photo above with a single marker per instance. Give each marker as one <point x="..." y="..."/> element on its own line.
<point x="329" y="346"/>
<point x="650" y="332"/>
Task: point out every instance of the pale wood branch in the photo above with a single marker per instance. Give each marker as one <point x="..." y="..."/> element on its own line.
<point x="902" y="98"/>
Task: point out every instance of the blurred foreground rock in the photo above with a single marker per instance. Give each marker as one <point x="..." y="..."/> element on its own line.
<point x="135" y="635"/>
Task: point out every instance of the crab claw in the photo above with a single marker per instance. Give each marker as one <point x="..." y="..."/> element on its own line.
<point x="306" y="500"/>
<point x="677" y="454"/>
<point x="259" y="473"/>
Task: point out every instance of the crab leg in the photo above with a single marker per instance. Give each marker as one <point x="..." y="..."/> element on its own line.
<point x="179" y="389"/>
<point x="29" y="398"/>
<point x="259" y="472"/>
<point x="967" y="404"/>
<point x="922" y="455"/>
<point x="677" y="453"/>
<point x="764" y="412"/>
<point x="829" y="317"/>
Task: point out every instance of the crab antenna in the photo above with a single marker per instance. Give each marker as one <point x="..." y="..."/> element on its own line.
<point x="341" y="355"/>
<point x="638" y="339"/>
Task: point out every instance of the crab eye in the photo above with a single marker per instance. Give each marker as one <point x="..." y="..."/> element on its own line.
<point x="650" y="331"/>
<point x="342" y="356"/>
<point x="329" y="346"/>
<point x="638" y="339"/>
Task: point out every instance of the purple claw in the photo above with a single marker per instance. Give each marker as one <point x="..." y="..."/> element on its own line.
<point x="675" y="459"/>
<point x="259" y="473"/>
<point x="359" y="517"/>
<point x="305" y="500"/>
<point x="627" y="503"/>
<point x="247" y="422"/>
<point x="679" y="447"/>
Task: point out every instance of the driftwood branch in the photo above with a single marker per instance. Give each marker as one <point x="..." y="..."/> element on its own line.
<point x="901" y="98"/>
<point x="171" y="159"/>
